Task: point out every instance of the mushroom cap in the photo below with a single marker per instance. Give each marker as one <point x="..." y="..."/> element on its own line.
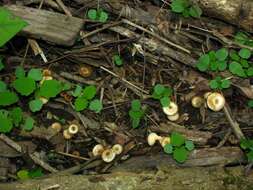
<point x="173" y="117"/>
<point x="46" y="72"/>
<point x="117" y="149"/>
<point x="215" y="101"/>
<point x="207" y="94"/>
<point x="164" y="141"/>
<point x="152" y="138"/>
<point x="56" y="126"/>
<point x="197" y="101"/>
<point x="98" y="150"/>
<point x="66" y="134"/>
<point x="73" y="129"/>
<point x="108" y="155"/>
<point x="43" y="99"/>
<point x="171" y="109"/>
<point x="85" y="71"/>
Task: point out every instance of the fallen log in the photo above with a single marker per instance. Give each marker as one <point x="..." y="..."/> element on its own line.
<point x="209" y="178"/>
<point x="49" y="26"/>
<point x="200" y="157"/>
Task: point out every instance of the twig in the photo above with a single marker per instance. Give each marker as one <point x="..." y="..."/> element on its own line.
<point x="156" y="36"/>
<point x="124" y="80"/>
<point x="64" y="8"/>
<point x="34" y="156"/>
<point x="233" y="123"/>
<point x="73" y="156"/>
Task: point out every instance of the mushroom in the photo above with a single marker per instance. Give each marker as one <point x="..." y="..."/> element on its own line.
<point x="173" y="117"/>
<point x="85" y="71"/>
<point x="56" y="126"/>
<point x="207" y="94"/>
<point x="98" y="150"/>
<point x="44" y="100"/>
<point x="215" y="101"/>
<point x="117" y="149"/>
<point x="172" y="109"/>
<point x="66" y="134"/>
<point x="73" y="129"/>
<point x="164" y="141"/>
<point x="44" y="78"/>
<point x="152" y="138"/>
<point x="108" y="155"/>
<point x="46" y="72"/>
<point x="197" y="101"/>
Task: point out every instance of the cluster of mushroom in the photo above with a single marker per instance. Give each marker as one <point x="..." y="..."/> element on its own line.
<point x="214" y="101"/>
<point x="67" y="133"/>
<point x="107" y="154"/>
<point x="47" y="75"/>
<point x="171" y="111"/>
<point x="153" y="138"/>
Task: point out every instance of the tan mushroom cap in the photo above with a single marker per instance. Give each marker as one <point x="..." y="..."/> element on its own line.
<point x="73" y="129"/>
<point x="66" y="134"/>
<point x="215" y="101"/>
<point x="173" y="117"/>
<point x="152" y="138"/>
<point x="85" y="71"/>
<point x="164" y="141"/>
<point x="43" y="99"/>
<point x="117" y="149"/>
<point x="197" y="101"/>
<point x="98" y="150"/>
<point x="207" y="94"/>
<point x="56" y="126"/>
<point x="108" y="155"/>
<point x="172" y="109"/>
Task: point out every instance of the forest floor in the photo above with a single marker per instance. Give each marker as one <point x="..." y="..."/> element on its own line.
<point x="126" y="94"/>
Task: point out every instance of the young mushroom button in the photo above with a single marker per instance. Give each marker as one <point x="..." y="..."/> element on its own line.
<point x="117" y="149"/>
<point x="197" y="101"/>
<point x="164" y="141"/>
<point x="152" y="138"/>
<point x="173" y="117"/>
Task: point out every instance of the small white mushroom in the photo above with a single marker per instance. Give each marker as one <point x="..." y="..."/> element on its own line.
<point x="44" y="78"/>
<point x="108" y="155"/>
<point x="173" y="117"/>
<point x="98" y="150"/>
<point x="215" y="101"/>
<point x="66" y="134"/>
<point x="197" y="101"/>
<point x="117" y="149"/>
<point x="164" y="141"/>
<point x="44" y="100"/>
<point x="152" y="138"/>
<point x="73" y="129"/>
<point x="172" y="109"/>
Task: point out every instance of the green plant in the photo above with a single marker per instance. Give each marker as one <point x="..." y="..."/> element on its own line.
<point x="162" y="94"/>
<point x="236" y="62"/>
<point x="136" y="113"/>
<point x="250" y="103"/>
<point x="29" y="174"/>
<point x="97" y="15"/>
<point x="219" y="83"/>
<point x="179" y="147"/>
<point x="35" y="105"/>
<point x="186" y="8"/>
<point x="247" y="146"/>
<point x="243" y="38"/>
<point x="85" y="99"/>
<point x="117" y="60"/>
<point x="213" y="61"/>
<point x="10" y="25"/>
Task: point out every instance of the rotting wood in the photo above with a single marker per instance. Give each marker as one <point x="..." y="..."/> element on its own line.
<point x="209" y="178"/>
<point x="197" y="158"/>
<point x="49" y="26"/>
<point x="198" y="137"/>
